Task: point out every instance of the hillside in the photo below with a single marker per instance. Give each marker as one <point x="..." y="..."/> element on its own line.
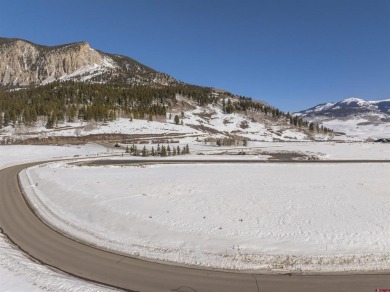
<point x="353" y="116"/>
<point x="44" y="89"/>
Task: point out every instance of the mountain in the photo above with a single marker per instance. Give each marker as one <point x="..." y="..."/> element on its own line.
<point x="24" y="63"/>
<point x="353" y="116"/>
<point x="60" y="86"/>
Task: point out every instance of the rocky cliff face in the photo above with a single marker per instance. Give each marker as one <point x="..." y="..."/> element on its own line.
<point x="23" y="63"/>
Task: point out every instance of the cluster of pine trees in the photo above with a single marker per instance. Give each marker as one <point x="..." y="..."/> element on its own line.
<point x="68" y="101"/>
<point x="163" y="150"/>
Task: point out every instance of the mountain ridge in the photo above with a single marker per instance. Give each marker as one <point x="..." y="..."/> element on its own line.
<point x="353" y="116"/>
<point x="25" y="64"/>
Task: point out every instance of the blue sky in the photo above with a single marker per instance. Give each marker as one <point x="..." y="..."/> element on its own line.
<point x="292" y="54"/>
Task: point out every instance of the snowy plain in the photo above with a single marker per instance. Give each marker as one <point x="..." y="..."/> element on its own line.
<point x="250" y="217"/>
<point x="18" y="272"/>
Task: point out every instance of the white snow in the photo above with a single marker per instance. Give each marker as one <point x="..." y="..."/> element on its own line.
<point x="18" y="272"/>
<point x="220" y="124"/>
<point x="378" y="101"/>
<point x="330" y="150"/>
<point x="359" y="127"/>
<point x="214" y="118"/>
<point x="324" y="107"/>
<point x="359" y="101"/>
<point x="120" y="126"/>
<point x="329" y="217"/>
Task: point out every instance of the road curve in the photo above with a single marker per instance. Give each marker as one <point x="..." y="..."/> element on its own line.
<point x="23" y="227"/>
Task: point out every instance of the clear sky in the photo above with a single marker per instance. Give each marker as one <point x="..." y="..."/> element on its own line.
<point x="292" y="54"/>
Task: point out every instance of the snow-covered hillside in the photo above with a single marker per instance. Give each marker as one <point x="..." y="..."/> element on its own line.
<point x="353" y="116"/>
<point x="206" y="123"/>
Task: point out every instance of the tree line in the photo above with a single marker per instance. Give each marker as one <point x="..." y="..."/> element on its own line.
<point x="163" y="150"/>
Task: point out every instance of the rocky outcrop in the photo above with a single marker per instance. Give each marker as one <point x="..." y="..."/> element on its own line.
<point x="23" y="63"/>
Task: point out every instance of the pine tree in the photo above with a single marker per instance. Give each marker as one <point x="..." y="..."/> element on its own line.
<point x="178" y="150"/>
<point x="174" y="151"/>
<point x="187" y="149"/>
<point x="177" y="119"/>
<point x="153" y="153"/>
<point x="144" y="152"/>
<point x="163" y="151"/>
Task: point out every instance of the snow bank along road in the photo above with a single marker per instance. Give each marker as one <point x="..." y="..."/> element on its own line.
<point x="22" y="226"/>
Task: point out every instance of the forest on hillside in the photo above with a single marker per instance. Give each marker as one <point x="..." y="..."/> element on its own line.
<point x="70" y="101"/>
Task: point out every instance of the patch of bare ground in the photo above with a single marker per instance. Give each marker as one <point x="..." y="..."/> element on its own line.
<point x="289" y="156"/>
<point x="204" y="128"/>
<point x="205" y="115"/>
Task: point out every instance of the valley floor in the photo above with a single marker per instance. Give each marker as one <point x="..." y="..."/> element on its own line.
<point x="182" y="190"/>
<point x="309" y="217"/>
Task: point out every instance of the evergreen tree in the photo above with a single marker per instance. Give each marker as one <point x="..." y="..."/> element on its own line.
<point x="163" y="151"/>
<point x="144" y="152"/>
<point x="177" y="119"/>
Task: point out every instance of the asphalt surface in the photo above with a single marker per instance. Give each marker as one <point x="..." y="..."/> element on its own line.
<point x="21" y="225"/>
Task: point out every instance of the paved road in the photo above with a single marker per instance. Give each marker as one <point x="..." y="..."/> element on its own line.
<point x="22" y="226"/>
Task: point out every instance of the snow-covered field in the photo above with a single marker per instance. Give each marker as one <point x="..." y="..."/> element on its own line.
<point x="330" y="150"/>
<point x="322" y="150"/>
<point x="360" y="128"/>
<point x="184" y="191"/>
<point x="329" y="217"/>
<point x="17" y="271"/>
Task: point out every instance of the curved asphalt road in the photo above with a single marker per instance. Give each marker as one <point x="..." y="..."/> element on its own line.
<point x="23" y="227"/>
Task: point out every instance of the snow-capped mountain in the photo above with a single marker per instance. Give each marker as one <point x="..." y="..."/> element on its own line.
<point x="24" y="63"/>
<point x="353" y="116"/>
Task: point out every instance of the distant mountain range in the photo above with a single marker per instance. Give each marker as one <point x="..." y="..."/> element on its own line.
<point x="24" y="63"/>
<point x="353" y="116"/>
